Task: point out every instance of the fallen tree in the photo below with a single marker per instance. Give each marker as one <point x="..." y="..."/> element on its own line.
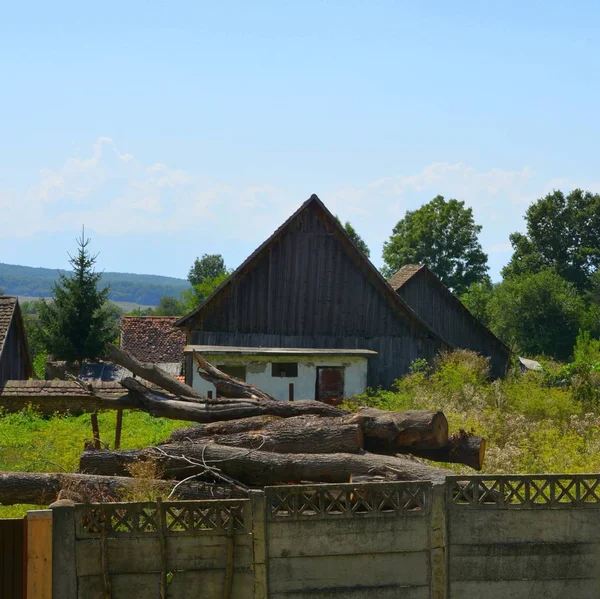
<point x="461" y="448"/>
<point x="256" y="468"/>
<point x="42" y="489"/>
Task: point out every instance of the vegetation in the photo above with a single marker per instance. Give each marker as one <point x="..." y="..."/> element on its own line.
<point x="442" y="235"/>
<point x="146" y="290"/>
<point x="79" y="323"/>
<point x="359" y="242"/>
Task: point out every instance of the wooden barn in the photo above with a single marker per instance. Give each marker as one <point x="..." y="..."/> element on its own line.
<point x="309" y="286"/>
<point x="15" y="362"/>
<point x="445" y="313"/>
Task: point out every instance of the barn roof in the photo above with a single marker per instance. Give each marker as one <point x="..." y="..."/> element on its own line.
<point x="372" y="273"/>
<point x="152" y="338"/>
<point x="410" y="271"/>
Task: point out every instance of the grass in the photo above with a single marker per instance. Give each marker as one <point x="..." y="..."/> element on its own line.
<point x="33" y="443"/>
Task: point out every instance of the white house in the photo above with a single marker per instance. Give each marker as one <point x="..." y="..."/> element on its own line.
<point x="288" y="373"/>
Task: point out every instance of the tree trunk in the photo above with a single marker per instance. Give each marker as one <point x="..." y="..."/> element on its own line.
<point x="226" y="385"/>
<point x="228" y="427"/>
<point x="219" y="409"/>
<point x="460" y="449"/>
<point x="151" y="373"/>
<point x="258" y="468"/>
<point x="390" y="432"/>
<point x="42" y="489"/>
<point x="302" y="434"/>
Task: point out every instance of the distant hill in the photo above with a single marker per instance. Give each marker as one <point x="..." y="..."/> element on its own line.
<point x="124" y="287"/>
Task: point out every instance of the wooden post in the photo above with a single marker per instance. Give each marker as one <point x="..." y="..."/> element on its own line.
<point x="39" y="554"/>
<point x="64" y="569"/>
<point x="95" y="430"/>
<point x="118" y="429"/>
<point x="291" y="391"/>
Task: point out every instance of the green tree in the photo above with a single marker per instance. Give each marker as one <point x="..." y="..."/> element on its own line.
<point x="538" y="313"/>
<point x="442" y="235"/>
<point x="193" y="297"/>
<point x="359" y="242"/>
<point x="168" y="306"/>
<point x="563" y="233"/>
<point x="79" y="322"/>
<point x="477" y="299"/>
<point x="207" y="267"/>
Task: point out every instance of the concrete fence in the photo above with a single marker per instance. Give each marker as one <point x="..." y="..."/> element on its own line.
<point x="495" y="536"/>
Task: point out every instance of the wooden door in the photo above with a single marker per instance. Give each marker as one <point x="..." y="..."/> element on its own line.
<point x="12" y="562"/>
<point x="330" y="384"/>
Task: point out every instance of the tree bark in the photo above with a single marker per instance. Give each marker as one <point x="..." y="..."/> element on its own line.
<point x="302" y="434"/>
<point x="42" y="489"/>
<point x="228" y="427"/>
<point x="460" y="449"/>
<point x="258" y="468"/>
<point x="226" y="385"/>
<point x="151" y="373"/>
<point x="390" y="432"/>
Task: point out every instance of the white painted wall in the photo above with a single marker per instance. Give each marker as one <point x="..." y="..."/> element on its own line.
<point x="258" y="372"/>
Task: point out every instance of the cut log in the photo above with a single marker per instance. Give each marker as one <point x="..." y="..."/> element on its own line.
<point x="461" y="448"/>
<point x="42" y="489"/>
<point x="228" y="427"/>
<point x="151" y="373"/>
<point x="226" y="385"/>
<point x="258" y="468"/>
<point x="209" y="410"/>
<point x="302" y="434"/>
<point x="390" y="432"/>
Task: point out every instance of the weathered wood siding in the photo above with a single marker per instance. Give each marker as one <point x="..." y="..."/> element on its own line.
<point x="310" y="288"/>
<point x="14" y="361"/>
<point x="445" y="314"/>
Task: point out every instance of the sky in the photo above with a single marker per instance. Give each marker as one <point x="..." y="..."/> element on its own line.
<point x="176" y="129"/>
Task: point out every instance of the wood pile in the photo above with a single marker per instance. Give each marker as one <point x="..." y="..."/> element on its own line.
<point x="246" y="439"/>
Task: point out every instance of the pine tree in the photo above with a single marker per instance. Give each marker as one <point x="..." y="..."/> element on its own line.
<point x="77" y="325"/>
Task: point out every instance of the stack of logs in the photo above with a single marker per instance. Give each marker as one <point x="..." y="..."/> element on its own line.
<point x="246" y="439"/>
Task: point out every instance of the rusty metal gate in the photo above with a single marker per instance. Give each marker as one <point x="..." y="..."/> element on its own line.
<point x="12" y="559"/>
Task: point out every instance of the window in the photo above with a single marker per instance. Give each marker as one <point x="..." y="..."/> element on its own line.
<point x="237" y="372"/>
<point x="285" y="369"/>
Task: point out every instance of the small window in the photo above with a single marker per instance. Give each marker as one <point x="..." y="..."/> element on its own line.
<point x="285" y="369"/>
<point x="237" y="372"/>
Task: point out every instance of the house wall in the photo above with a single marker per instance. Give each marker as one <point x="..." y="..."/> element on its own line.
<point x="258" y="373"/>
<point x="445" y="314"/>
<point x="14" y="360"/>
<point x="312" y="288"/>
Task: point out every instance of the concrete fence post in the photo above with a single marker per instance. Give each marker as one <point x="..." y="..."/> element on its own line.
<point x="438" y="543"/>
<point x="64" y="572"/>
<point x="39" y="554"/>
<point x="259" y="542"/>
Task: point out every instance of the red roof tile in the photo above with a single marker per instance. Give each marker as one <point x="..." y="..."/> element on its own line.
<point x="152" y="338"/>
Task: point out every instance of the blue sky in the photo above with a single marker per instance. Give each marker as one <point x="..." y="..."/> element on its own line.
<point x="175" y="129"/>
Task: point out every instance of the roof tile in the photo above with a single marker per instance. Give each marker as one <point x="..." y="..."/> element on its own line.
<point x="152" y="338"/>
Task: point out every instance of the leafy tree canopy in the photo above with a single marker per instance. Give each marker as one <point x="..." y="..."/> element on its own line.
<point x="442" y="235"/>
<point x="359" y="242"/>
<point x="563" y="233"/>
<point x="207" y="267"/>
<point x="192" y="298"/>
<point x="538" y="313"/>
<point x="79" y="322"/>
<point x="477" y="300"/>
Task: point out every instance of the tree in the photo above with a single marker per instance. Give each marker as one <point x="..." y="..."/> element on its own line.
<point x="443" y="236"/>
<point x="78" y="323"/>
<point x="193" y="297"/>
<point x="168" y="306"/>
<point x="207" y="267"/>
<point x="477" y="300"/>
<point x="359" y="242"/>
<point x="539" y="313"/>
<point x="563" y="233"/>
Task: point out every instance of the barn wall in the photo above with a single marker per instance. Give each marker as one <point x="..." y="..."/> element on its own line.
<point x="446" y="315"/>
<point x="308" y="290"/>
<point x="14" y="360"/>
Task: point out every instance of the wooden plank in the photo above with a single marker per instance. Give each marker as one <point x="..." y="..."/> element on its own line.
<point x="39" y="554"/>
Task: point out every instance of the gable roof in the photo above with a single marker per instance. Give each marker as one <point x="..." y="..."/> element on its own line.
<point x="357" y="255"/>
<point x="9" y="310"/>
<point x="410" y="271"/>
<point x="153" y="338"/>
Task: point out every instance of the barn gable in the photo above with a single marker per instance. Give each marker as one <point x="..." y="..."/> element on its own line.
<point x="446" y="314"/>
<point x="15" y="362"/>
<point x="308" y="285"/>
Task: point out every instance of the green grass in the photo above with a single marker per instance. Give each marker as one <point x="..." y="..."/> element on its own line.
<point x="32" y="443"/>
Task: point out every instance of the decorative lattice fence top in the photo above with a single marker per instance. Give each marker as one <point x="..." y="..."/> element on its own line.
<point x="544" y="491"/>
<point x="177" y="517"/>
<point x="348" y="500"/>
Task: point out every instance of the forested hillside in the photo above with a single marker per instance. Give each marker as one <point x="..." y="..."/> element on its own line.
<point x="124" y="287"/>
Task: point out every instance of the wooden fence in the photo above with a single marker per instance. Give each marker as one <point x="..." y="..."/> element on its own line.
<point x="12" y="558"/>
